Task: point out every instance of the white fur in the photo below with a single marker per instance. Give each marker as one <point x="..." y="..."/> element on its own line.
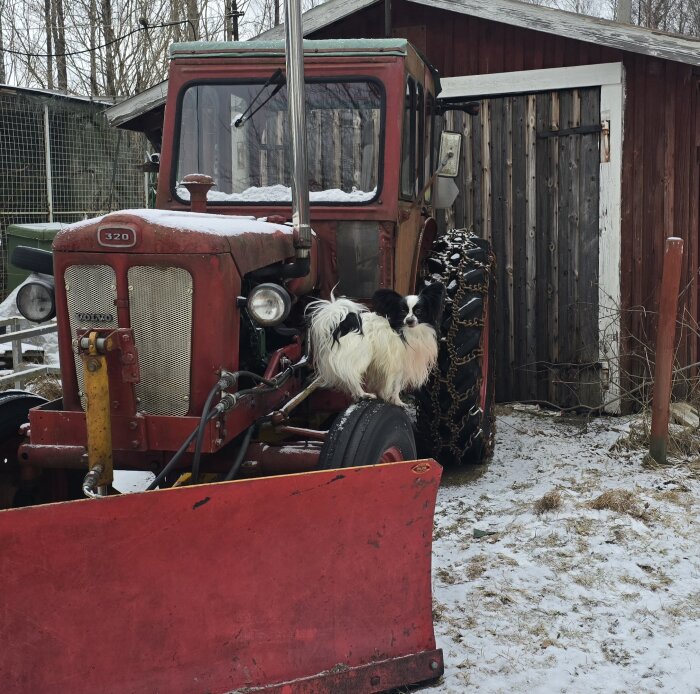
<point x="375" y="363"/>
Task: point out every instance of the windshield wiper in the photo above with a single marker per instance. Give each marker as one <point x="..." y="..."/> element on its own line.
<point x="276" y="77"/>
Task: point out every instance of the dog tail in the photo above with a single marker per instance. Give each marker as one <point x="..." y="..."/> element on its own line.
<point x="328" y="322"/>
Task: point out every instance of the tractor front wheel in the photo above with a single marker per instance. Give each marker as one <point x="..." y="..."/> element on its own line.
<point x="16" y="489"/>
<point x="455" y="420"/>
<point x="367" y="433"/>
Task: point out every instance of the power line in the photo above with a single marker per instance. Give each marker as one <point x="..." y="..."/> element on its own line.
<point x="205" y="19"/>
<point x="104" y="45"/>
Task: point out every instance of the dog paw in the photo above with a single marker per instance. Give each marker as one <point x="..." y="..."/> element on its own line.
<point x="367" y="396"/>
<point x="398" y="402"/>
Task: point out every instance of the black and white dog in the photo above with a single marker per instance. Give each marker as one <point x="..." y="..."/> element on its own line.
<point x="377" y="353"/>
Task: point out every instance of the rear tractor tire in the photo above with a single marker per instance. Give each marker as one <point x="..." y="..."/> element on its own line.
<point x="455" y="419"/>
<point x="367" y="433"/>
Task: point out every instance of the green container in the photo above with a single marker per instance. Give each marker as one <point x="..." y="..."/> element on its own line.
<point x="34" y="235"/>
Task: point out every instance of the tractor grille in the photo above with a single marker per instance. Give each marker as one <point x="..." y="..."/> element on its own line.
<point x="160" y="304"/>
<point x="90" y="294"/>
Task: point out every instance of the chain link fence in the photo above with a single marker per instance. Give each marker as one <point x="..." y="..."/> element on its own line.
<point x="60" y="161"/>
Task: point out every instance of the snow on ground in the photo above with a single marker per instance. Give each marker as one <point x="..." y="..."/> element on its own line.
<point x="571" y="599"/>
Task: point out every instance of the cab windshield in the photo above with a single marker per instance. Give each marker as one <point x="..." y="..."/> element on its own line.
<point x="249" y="158"/>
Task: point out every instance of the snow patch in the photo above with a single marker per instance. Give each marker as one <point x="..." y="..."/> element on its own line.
<point x="574" y="599"/>
<point x="182" y="220"/>
<point x="280" y="193"/>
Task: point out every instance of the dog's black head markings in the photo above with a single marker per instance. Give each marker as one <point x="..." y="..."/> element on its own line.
<point x="409" y="311"/>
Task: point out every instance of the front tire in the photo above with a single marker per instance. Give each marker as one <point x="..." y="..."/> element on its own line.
<point x="14" y="411"/>
<point x="367" y="433"/>
<point x="455" y="419"/>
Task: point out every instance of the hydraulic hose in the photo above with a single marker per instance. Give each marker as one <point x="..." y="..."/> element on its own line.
<point x="227" y="402"/>
<point x="171" y="463"/>
<point x="174" y="460"/>
<point x="227" y="380"/>
<point x="241" y="454"/>
<point x="201" y="428"/>
<point x="202" y="421"/>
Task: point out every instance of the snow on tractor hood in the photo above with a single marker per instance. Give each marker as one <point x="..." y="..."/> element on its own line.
<point x="253" y="243"/>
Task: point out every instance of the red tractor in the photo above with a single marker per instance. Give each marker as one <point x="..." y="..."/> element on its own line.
<point x="183" y="349"/>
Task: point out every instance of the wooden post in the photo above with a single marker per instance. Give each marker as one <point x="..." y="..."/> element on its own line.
<point x="665" y="338"/>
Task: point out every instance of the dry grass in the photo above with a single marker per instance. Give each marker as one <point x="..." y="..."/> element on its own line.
<point x="621" y="501"/>
<point x="551" y="501"/>
<point x="476" y="567"/>
<point x="581" y="525"/>
<point x="439" y="611"/>
<point x="678" y="497"/>
<point x="48" y="387"/>
<point x="446" y="576"/>
<point x="683" y="441"/>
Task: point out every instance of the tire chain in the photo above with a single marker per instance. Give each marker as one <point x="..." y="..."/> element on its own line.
<point x="457" y="241"/>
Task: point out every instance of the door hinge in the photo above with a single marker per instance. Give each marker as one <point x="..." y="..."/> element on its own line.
<point x="605" y="142"/>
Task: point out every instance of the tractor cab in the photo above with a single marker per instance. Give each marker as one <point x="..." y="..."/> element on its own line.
<point x="371" y="141"/>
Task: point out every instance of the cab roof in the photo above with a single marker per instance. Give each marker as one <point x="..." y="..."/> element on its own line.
<point x="235" y="49"/>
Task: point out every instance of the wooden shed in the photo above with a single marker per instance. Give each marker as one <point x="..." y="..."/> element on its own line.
<point x="584" y="158"/>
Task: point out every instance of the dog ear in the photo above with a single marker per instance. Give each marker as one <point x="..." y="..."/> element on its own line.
<point x="436" y="289"/>
<point x="434" y="297"/>
<point x="434" y="293"/>
<point x="386" y="302"/>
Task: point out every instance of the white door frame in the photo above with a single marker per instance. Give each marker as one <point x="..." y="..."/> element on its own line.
<point x="610" y="78"/>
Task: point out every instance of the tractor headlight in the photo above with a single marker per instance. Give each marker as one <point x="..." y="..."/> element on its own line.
<point x="269" y="304"/>
<point x="36" y="299"/>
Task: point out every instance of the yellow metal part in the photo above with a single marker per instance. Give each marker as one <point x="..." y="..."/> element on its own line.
<point x="186" y="478"/>
<point x="97" y="413"/>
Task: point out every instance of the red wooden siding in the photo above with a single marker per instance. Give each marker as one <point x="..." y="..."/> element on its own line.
<point x="661" y="170"/>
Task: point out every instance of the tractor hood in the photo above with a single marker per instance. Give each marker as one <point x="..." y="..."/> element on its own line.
<point x="252" y="243"/>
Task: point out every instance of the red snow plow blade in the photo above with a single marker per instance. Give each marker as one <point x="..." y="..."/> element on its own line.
<point x="316" y="582"/>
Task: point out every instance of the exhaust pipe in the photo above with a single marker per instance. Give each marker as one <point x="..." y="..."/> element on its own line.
<point x="296" y="102"/>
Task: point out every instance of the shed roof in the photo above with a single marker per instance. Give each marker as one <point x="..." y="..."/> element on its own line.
<point x="136" y="106"/>
<point x="53" y="94"/>
<point x="626" y="37"/>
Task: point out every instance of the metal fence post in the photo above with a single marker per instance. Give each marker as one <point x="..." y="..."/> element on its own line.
<point x="16" y="352"/>
<point x="665" y="338"/>
<point x="47" y="159"/>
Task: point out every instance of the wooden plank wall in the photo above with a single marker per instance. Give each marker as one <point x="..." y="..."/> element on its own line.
<point x="534" y="194"/>
<point x="337" y="154"/>
<point x="661" y="169"/>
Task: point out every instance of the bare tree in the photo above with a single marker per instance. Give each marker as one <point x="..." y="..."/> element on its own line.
<point x="193" y="17"/>
<point x="92" y="21"/>
<point x="623" y="11"/>
<point x="109" y="46"/>
<point x="676" y="16"/>
<point x="49" y="43"/>
<point x="59" y="39"/>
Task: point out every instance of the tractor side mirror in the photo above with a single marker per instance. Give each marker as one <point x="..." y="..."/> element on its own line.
<point x="450" y="148"/>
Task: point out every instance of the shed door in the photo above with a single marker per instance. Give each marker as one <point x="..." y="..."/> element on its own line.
<point x="531" y="184"/>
